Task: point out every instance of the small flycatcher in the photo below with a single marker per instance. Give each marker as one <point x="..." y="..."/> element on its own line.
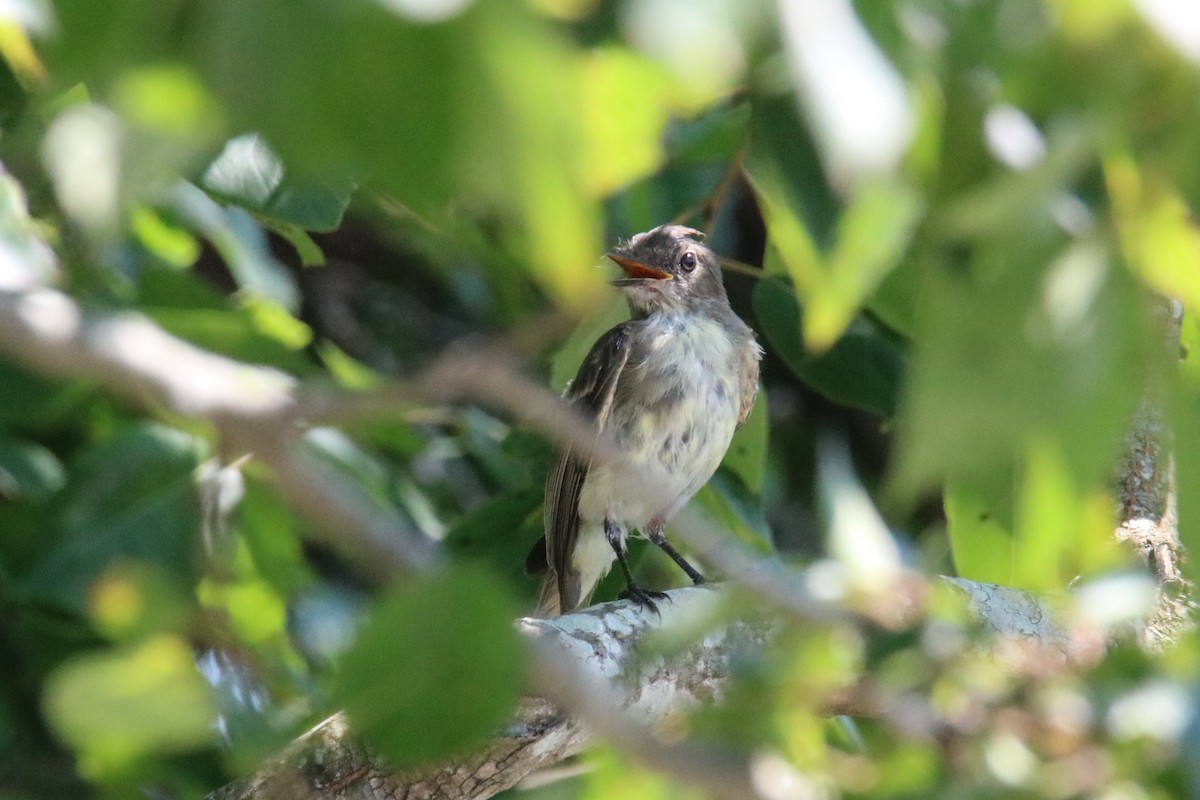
<point x="669" y="387"/>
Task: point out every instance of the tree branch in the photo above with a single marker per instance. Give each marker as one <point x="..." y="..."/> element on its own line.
<point x="598" y="664"/>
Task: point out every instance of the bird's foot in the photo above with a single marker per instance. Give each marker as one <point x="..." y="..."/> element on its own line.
<point x="643" y="597"/>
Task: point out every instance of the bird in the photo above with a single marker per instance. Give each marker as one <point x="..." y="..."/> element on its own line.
<point x="668" y="387"/>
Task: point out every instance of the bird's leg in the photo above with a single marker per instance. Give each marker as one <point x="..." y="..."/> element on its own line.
<point x="634" y="592"/>
<point x="654" y="532"/>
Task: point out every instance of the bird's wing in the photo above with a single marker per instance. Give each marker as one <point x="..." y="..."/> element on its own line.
<point x="748" y="388"/>
<point x="591" y="394"/>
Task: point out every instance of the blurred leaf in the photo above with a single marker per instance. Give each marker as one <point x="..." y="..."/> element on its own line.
<point x="167" y="99"/>
<point x="712" y="136"/>
<point x="136" y="599"/>
<point x="627" y="104"/>
<point x="174" y="245"/>
<point x="118" y="706"/>
<point x="270" y="532"/>
<point x="613" y="774"/>
<point x="1038" y="530"/>
<point x="413" y="683"/>
<point x="1063" y="530"/>
<point x="132" y="497"/>
<point x="864" y="368"/>
<point x="28" y="471"/>
<point x="310" y="253"/>
<point x="489" y="533"/>
<point x="274" y="321"/>
<point x="256" y="613"/>
<point x="873" y="234"/>
<point x="25" y="258"/>
<point x="16" y="23"/>
<point x="234" y="334"/>
<point x="344" y="81"/>
<point x="349" y="372"/>
<point x="241" y="242"/>
<point x="896" y="300"/>
<point x="1006" y="356"/>
<point x="248" y="174"/>
<point x="728" y="501"/>
<point x="835" y="267"/>
<point x="95" y="41"/>
<point x="1158" y="235"/>
<point x="980" y="525"/>
<point x="30" y="401"/>
<point x="1010" y="200"/>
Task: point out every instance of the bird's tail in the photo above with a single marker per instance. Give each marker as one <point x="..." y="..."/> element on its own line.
<point x="549" y="602"/>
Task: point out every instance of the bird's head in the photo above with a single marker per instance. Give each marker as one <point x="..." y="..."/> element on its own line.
<point x="667" y="269"/>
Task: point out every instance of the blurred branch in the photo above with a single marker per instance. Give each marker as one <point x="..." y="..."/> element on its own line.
<point x="595" y="665"/>
<point x="601" y="666"/>
<point x="252" y="408"/>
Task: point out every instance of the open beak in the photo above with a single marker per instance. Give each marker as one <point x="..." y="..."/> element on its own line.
<point x="638" y="273"/>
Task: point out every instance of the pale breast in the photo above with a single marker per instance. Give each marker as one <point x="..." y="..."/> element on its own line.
<point x="675" y="412"/>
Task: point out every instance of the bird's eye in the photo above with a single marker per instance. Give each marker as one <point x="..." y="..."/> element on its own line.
<point x="687" y="262"/>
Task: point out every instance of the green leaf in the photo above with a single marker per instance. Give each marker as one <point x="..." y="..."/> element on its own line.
<point x="735" y="507"/>
<point x="864" y="368"/>
<point x="980" y="525"/>
<point x="248" y="174"/>
<point x="437" y="667"/>
<point x="1036" y="528"/>
<point x="118" y="706"/>
<point x="1018" y="352"/>
<point x="471" y="107"/>
<point x="130" y="498"/>
<point x="272" y="537"/>
<point x="28" y="471"/>
<point x="239" y="334"/>
<point x="241" y="243"/>
<point x="492" y="532"/>
<point x="31" y="401"/>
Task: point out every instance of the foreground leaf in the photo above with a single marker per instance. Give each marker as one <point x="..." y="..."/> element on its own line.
<point x="437" y="667"/>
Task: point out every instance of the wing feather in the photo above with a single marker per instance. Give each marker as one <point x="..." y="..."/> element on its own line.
<point x="592" y="394"/>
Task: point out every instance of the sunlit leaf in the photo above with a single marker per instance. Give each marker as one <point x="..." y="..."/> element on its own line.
<point x="627" y="103"/>
<point x="1063" y="530"/>
<point x="980" y="526"/>
<point x="1004" y="357"/>
<point x="118" y="706"/>
<point x="174" y="245"/>
<point x="1159" y="237"/>
<point x="167" y="99"/>
<point x="436" y="668"/>
<point x="873" y="233"/>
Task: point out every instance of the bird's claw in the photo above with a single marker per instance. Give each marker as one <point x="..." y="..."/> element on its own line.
<point x="644" y="597"/>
